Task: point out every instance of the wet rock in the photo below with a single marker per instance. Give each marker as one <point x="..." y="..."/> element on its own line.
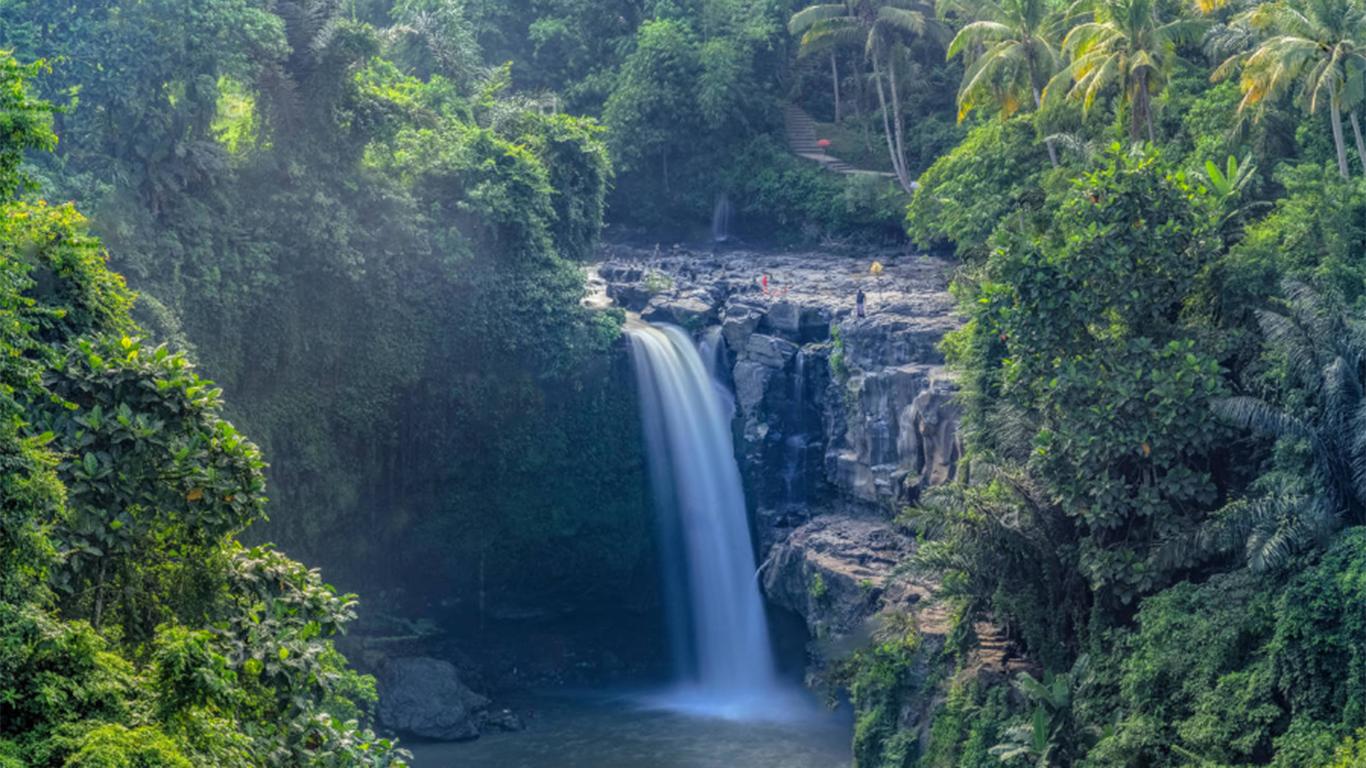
<point x="424" y="697"/>
<point x="503" y="720"/>
<point x="693" y="311"/>
<point x="808" y="373"/>
<point x="834" y="571"/>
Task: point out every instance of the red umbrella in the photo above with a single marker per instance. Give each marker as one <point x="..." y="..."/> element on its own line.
<point x="823" y="143"/>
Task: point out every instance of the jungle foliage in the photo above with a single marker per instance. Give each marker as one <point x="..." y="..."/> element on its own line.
<point x="369" y="220"/>
<point x="374" y="243"/>
<point x="1162" y="296"/>
<point x="134" y="629"/>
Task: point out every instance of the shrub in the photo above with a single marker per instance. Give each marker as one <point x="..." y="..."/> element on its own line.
<point x="968" y="192"/>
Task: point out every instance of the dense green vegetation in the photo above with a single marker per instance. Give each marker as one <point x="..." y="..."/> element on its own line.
<point x="136" y="630"/>
<point x="1161" y="382"/>
<point x="372" y="243"/>
<point x="368" y="220"/>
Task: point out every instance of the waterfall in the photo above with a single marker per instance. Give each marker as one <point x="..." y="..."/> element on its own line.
<point x="717" y="614"/>
<point x="720" y="219"/>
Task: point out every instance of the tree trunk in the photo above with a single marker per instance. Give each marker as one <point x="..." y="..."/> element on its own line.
<point x="1052" y="150"/>
<point x="1361" y="146"/>
<point x="861" y="98"/>
<point x="1335" y="116"/>
<point x="886" y="124"/>
<point x="1148" y="110"/>
<point x="835" y="80"/>
<point x="99" y="595"/>
<point x="903" y="174"/>
<point x="1139" y="112"/>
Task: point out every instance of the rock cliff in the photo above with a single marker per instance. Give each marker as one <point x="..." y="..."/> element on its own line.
<point x="844" y="407"/>
<point x="839" y="419"/>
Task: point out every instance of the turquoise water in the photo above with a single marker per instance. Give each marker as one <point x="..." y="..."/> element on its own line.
<point x="606" y="730"/>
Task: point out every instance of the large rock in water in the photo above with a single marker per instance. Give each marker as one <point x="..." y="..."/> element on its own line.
<point x="424" y="697"/>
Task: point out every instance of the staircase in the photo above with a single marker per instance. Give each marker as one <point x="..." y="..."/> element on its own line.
<point x="802" y="140"/>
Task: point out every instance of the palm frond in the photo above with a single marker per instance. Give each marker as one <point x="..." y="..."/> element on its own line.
<point x="806" y="18"/>
<point x="1259" y="416"/>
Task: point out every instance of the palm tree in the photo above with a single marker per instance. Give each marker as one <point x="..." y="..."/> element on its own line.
<point x="1014" y="58"/>
<point x="1326" y="354"/>
<point x="804" y="19"/>
<point x="1125" y="45"/>
<point x="882" y="27"/>
<point x="1316" y="43"/>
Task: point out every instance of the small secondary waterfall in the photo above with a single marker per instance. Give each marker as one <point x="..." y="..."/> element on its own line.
<point x="717" y="612"/>
<point x="720" y="219"/>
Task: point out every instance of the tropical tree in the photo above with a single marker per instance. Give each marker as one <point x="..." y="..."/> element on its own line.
<point x="1013" y="54"/>
<point x="1051" y="737"/>
<point x="1315" y="44"/>
<point x="1325" y="352"/>
<point x="1126" y="45"/>
<point x="883" y="27"/>
<point x="831" y="44"/>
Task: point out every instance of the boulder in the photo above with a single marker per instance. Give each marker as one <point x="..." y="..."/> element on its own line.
<point x="693" y="311"/>
<point x="424" y="697"/>
<point x="739" y="321"/>
<point x="834" y="571"/>
<point x="929" y="437"/>
<point x="801" y="323"/>
<point x="632" y="296"/>
<point x="769" y="351"/>
<point x="504" y="720"/>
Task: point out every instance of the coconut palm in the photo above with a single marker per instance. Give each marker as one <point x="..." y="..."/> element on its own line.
<point x="882" y="27"/>
<point x="1013" y="56"/>
<point x="810" y="16"/>
<point x="1125" y="46"/>
<point x="1315" y="44"/>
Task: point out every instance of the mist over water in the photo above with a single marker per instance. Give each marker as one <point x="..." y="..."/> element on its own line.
<point x="721" y="642"/>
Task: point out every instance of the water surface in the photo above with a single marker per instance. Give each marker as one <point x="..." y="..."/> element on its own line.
<point x="602" y="730"/>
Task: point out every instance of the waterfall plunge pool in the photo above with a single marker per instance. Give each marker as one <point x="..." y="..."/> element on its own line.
<point x="729" y="708"/>
<point x="621" y="729"/>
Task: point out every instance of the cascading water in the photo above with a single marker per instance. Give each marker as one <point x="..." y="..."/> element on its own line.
<point x="720" y="219"/>
<point x="720" y="632"/>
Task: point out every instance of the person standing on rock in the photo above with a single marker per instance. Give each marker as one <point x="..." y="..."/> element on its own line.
<point x="858" y="302"/>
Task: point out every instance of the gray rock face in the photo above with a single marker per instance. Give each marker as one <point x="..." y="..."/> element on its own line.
<point x="826" y="401"/>
<point x="833" y="571"/>
<point x="839" y="420"/>
<point x="693" y="310"/>
<point x="424" y="697"/>
<point x="929" y="436"/>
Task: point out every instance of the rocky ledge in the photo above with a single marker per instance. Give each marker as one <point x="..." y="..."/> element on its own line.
<point x="829" y="405"/>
